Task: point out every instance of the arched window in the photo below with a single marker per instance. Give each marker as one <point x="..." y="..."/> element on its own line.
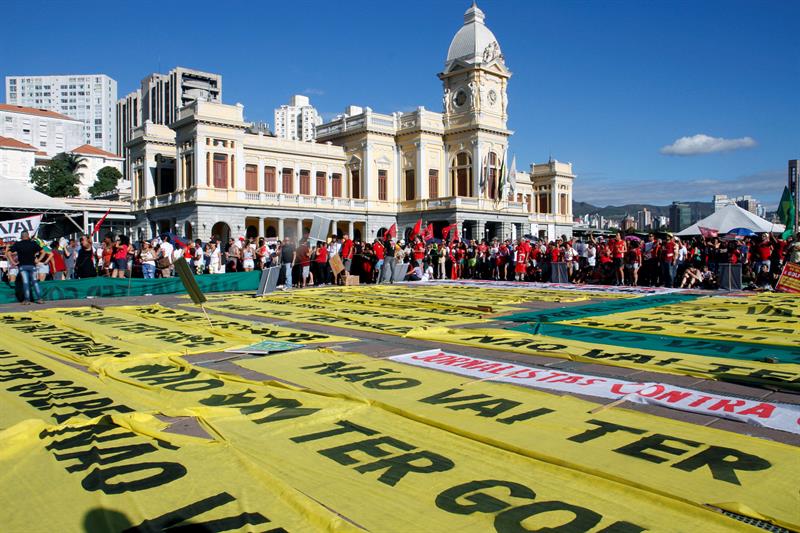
<point x="492" y="180"/>
<point x="461" y="174"/>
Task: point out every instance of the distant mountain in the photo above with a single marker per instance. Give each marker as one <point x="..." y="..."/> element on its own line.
<point x="699" y="210"/>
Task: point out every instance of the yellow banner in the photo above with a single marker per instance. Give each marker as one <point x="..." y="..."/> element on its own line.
<point x="779" y="375"/>
<point x="685" y="461"/>
<point x="762" y="321"/>
<point x="82" y="334"/>
<point x="346" y="317"/>
<point x="387" y="468"/>
<point x="124" y="472"/>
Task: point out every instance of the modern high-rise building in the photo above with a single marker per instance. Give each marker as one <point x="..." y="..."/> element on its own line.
<point x="89" y="98"/>
<point x="161" y="96"/>
<point x="680" y="216"/>
<point x="298" y="120"/>
<point x="644" y="219"/>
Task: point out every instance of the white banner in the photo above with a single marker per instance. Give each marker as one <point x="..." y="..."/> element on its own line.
<point x="10" y="230"/>
<point x="779" y="416"/>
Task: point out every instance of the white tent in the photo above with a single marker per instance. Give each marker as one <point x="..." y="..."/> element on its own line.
<point x="17" y="197"/>
<point x="731" y="217"/>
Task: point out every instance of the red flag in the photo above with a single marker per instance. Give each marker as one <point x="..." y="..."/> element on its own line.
<point x="415" y="231"/>
<point x="428" y="233"/>
<point x="455" y="232"/>
<point x="446" y="231"/>
<point x="100" y="222"/>
<point x="393" y="231"/>
<point x="708" y="232"/>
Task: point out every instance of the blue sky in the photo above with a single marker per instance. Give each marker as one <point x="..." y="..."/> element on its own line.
<point x="609" y="86"/>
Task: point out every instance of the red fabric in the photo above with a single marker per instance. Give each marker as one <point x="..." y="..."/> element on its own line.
<point x="393" y="231"/>
<point x="619" y="249"/>
<point x="100" y="222"/>
<point x="428" y="233"/>
<point x="764" y="250"/>
<point x="419" y="251"/>
<point x="379" y="251"/>
<point x="347" y="248"/>
<point x="669" y="250"/>
<point x="415" y="230"/>
<point x="122" y="252"/>
<point x="58" y="264"/>
<point x="322" y="255"/>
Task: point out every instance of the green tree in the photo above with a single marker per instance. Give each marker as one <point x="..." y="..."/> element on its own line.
<point x="107" y="178"/>
<point x="72" y="162"/>
<point x="55" y="179"/>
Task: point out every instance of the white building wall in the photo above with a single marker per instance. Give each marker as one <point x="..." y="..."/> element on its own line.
<point x="48" y="134"/>
<point x="88" y="98"/>
<point x="93" y="164"/>
<point x="16" y="164"/>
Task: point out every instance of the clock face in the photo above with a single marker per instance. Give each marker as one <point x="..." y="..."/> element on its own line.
<point x="492" y="97"/>
<point x="460" y="98"/>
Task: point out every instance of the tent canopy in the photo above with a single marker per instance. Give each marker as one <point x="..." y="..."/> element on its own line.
<point x="731" y="217"/>
<point x="18" y="197"/>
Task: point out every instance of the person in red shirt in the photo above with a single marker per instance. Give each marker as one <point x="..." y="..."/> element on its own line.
<point x="120" y="257"/>
<point x="380" y="255"/>
<point x="419" y="250"/>
<point x="618" y="250"/>
<point x="347" y="252"/>
<point x="669" y="261"/>
<point x="320" y="264"/>
<point x="58" y="267"/>
<point x="521" y="266"/>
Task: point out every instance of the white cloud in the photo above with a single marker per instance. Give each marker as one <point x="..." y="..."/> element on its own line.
<point x="314" y="92"/>
<point x="766" y="186"/>
<point x="705" y="144"/>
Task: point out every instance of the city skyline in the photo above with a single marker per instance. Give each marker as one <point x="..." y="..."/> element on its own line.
<point x="714" y="117"/>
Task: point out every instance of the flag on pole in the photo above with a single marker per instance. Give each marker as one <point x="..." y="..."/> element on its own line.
<point x="484" y="174"/>
<point x="501" y="179"/>
<point x="786" y="212"/>
<point x="512" y="174"/>
<point x="100" y="222"/>
<point x="428" y="233"/>
<point x="392" y="231"/>
<point x="415" y="230"/>
<point x="446" y="231"/>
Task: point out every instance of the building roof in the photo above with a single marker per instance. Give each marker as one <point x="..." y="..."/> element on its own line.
<point x="34" y="111"/>
<point x="731" y="217"/>
<point x="19" y="197"/>
<point x="472" y="39"/>
<point x="8" y="142"/>
<point x="88" y="149"/>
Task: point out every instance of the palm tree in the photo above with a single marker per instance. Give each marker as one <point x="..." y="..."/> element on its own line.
<point x="72" y="162"/>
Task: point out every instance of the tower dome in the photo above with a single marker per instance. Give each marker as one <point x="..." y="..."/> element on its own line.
<point x="474" y="42"/>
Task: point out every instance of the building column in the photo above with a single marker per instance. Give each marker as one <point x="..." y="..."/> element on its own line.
<point x="229" y="169"/>
<point x="281" y="229"/>
<point x="299" y="229"/>
<point x="295" y="180"/>
<point x="313" y="181"/>
<point x="554" y="199"/>
<point x="479" y="230"/>
<point x="350" y="228"/>
<point x="447" y="185"/>
<point x="334" y="227"/>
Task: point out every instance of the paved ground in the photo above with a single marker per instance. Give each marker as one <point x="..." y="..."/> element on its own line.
<point x="379" y="345"/>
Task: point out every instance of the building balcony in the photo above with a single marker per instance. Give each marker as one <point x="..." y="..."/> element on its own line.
<point x="465" y="203"/>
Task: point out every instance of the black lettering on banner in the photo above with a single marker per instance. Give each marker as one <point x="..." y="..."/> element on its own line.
<point x="174" y="518"/>
<point x="723" y="463"/>
<point x="488" y="407"/>
<point x="287" y="408"/>
<point x="371" y="379"/>
<point x="395" y="466"/>
<point x="172" y="378"/>
<point x="510" y="517"/>
<point x="131" y="476"/>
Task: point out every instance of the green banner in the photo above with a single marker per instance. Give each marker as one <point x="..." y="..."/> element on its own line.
<point x="602" y="308"/>
<point x="746" y="351"/>
<point x="114" y="287"/>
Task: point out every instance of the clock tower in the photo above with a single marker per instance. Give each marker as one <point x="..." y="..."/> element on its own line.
<point x="475" y="102"/>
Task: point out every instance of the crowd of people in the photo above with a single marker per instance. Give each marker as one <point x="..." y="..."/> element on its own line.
<point x="665" y="261"/>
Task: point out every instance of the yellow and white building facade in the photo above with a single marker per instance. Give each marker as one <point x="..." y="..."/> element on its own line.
<point x="210" y="174"/>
